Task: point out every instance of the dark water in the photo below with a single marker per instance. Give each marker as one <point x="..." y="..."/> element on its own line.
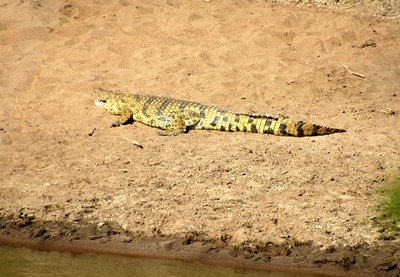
<point x="16" y="262"/>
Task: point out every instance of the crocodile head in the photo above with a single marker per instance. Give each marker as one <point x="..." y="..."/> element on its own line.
<point x="108" y="100"/>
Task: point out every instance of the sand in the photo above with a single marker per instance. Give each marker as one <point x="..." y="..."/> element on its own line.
<point x="260" y="200"/>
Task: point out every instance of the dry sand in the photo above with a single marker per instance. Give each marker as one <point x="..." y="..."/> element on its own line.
<point x="68" y="181"/>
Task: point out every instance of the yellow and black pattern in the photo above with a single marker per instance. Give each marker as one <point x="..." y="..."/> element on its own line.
<point x="178" y="116"/>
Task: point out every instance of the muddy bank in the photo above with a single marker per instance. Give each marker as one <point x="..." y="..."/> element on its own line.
<point x="291" y="255"/>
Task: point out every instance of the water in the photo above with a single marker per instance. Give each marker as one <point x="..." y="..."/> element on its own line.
<point x="15" y="262"/>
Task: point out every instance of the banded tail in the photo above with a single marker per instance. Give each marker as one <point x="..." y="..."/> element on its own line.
<point x="265" y="124"/>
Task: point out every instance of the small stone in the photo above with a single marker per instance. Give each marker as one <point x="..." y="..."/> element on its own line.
<point x="368" y="43"/>
<point x="248" y="255"/>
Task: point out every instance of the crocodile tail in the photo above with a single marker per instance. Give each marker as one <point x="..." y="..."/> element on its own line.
<point x="286" y="126"/>
<point x="280" y="125"/>
<point x="309" y="129"/>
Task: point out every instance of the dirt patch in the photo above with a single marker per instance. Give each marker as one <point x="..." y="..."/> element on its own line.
<point x="67" y="176"/>
<point x="389" y="9"/>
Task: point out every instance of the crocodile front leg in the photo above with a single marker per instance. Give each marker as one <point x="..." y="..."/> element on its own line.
<point x="125" y="116"/>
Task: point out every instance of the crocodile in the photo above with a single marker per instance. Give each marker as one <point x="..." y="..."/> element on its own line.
<point x="175" y="116"/>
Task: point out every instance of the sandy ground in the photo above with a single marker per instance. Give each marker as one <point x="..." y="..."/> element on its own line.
<point x="308" y="203"/>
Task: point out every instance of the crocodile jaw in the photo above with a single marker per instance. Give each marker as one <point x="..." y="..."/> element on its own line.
<point x="99" y="103"/>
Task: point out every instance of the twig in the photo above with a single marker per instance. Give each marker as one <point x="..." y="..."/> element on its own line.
<point x="293" y="14"/>
<point x="92" y="132"/>
<point x="388" y="111"/>
<point x="353" y="72"/>
<point x="134" y="142"/>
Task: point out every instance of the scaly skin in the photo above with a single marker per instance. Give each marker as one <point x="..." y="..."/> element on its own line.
<point x="178" y="116"/>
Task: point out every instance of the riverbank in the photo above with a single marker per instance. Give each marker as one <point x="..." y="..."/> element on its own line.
<point x="287" y="257"/>
<point x="70" y="182"/>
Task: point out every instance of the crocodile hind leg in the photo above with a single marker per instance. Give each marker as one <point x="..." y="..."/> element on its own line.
<point x="177" y="123"/>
